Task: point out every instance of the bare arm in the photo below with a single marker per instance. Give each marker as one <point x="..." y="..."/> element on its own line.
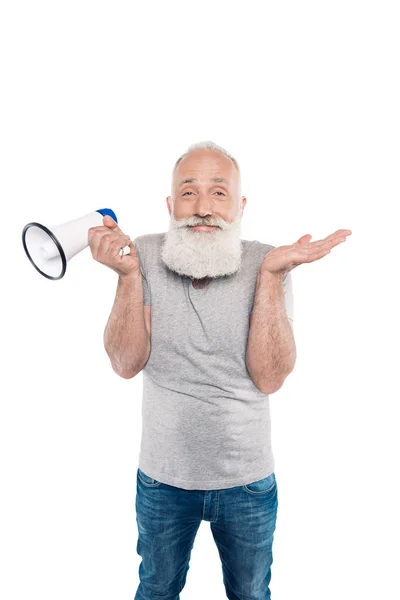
<point x="126" y="337"/>
<point x="271" y="349"/>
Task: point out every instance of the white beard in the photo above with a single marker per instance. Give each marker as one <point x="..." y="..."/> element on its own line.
<point x="197" y="253"/>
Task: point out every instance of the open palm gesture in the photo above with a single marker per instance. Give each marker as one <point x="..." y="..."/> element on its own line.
<point x="282" y="259"/>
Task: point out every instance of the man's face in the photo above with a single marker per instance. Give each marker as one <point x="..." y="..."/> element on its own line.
<point x="206" y="210"/>
<point x="205" y="198"/>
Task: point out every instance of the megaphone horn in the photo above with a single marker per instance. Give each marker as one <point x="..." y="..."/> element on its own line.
<point x="50" y="248"/>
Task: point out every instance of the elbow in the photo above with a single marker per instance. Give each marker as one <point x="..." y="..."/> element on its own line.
<point x="272" y="385"/>
<point x="269" y="387"/>
<point x="124" y="373"/>
<point x="129" y="372"/>
<point x="264" y="383"/>
<point x="269" y="383"/>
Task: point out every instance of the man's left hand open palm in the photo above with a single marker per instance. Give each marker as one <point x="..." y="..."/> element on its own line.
<point x="282" y="259"/>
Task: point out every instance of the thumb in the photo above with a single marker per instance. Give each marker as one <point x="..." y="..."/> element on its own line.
<point x="304" y="239"/>
<point x="109" y="222"/>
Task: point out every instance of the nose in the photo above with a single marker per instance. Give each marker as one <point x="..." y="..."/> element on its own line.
<point x="203" y="206"/>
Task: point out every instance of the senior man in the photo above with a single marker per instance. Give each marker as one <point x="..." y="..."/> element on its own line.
<point x="207" y="317"/>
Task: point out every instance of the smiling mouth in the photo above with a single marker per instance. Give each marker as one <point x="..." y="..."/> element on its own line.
<point x="203" y="227"/>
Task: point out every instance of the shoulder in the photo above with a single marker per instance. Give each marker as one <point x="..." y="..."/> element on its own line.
<point x="148" y="247"/>
<point x="256" y="244"/>
<point x="149" y="239"/>
<point x="255" y="248"/>
<point x="149" y="243"/>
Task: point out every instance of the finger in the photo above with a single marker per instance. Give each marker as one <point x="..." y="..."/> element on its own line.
<point x="110" y="251"/>
<point x="304" y="242"/>
<point x="113" y="242"/>
<point x="110" y="223"/>
<point x="101" y="239"/>
<point x="96" y="233"/>
<point x="322" y="250"/>
<point x="132" y="247"/>
<point x="331" y="240"/>
<point x="96" y="236"/>
<point x="341" y="232"/>
<point x="304" y="239"/>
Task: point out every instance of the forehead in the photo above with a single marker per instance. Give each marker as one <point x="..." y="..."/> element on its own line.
<point x="204" y="165"/>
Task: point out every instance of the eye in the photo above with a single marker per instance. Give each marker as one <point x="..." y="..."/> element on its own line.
<point x="220" y="193"/>
<point x="184" y="194"/>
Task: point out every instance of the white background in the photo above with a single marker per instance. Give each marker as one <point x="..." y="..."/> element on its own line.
<point x="98" y="100"/>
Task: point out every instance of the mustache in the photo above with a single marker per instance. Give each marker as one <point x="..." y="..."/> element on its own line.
<point x="193" y="222"/>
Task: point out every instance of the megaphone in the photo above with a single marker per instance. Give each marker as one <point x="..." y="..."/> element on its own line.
<point x="50" y="248"/>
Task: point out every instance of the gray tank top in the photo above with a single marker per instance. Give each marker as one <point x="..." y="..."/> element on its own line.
<point x="205" y="425"/>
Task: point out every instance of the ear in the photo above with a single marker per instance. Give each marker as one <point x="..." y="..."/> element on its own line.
<point x="244" y="202"/>
<point x="169" y="205"/>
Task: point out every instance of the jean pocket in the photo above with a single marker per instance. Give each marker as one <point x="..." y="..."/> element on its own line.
<point x="262" y="486"/>
<point x="146" y="480"/>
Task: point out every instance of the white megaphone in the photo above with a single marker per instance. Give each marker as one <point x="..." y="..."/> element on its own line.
<point x="50" y="248"/>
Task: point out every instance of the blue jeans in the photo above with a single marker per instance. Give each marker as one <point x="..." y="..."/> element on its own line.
<point x="242" y="521"/>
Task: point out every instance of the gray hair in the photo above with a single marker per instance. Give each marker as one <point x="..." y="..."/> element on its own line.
<point x="207" y="146"/>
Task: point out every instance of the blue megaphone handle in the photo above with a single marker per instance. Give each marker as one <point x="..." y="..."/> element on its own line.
<point x="108" y="211"/>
